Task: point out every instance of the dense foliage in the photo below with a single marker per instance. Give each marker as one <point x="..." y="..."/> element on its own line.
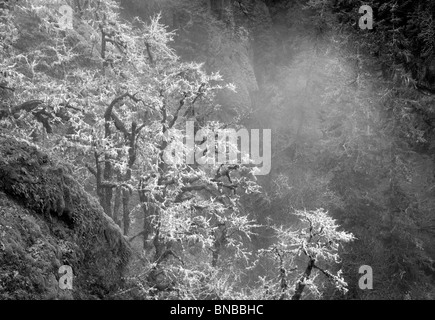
<point x="351" y="113"/>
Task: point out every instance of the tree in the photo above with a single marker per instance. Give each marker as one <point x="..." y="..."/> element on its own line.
<point x="109" y="97"/>
<point x="317" y="239"/>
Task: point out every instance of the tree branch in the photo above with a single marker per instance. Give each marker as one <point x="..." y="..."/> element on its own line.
<point x="181" y="104"/>
<point x="6" y="88"/>
<point x="111" y="115"/>
<point x="91" y="170"/>
<point x="150" y="55"/>
<point x="42" y="115"/>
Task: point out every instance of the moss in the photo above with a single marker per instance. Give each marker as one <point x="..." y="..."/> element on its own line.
<point x="47" y="220"/>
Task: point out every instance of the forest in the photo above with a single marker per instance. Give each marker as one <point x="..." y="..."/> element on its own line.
<point x="217" y="149"/>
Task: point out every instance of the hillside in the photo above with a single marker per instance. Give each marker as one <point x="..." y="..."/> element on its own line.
<point x="47" y="220"/>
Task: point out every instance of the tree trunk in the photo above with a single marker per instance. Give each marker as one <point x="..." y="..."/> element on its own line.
<point x="117" y="206"/>
<point x="100" y="189"/>
<point x="220" y="239"/>
<point x="127" y="193"/>
<point x="283" y="285"/>
<point x="215" y="257"/>
<point x="300" y="286"/>
<point x="148" y="212"/>
<point x="126" y="210"/>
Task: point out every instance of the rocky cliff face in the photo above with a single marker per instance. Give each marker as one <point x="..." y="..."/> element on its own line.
<point x="47" y="220"/>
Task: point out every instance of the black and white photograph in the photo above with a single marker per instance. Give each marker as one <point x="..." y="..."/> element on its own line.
<point x="217" y="157"/>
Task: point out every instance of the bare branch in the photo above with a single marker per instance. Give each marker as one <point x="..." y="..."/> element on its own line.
<point x="111" y="115"/>
<point x="181" y="104"/>
<point x="199" y="93"/>
<point x="40" y="112"/>
<point x="120" y="125"/>
<point x="150" y="55"/>
<point x="91" y="170"/>
<point x="6" y="88"/>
